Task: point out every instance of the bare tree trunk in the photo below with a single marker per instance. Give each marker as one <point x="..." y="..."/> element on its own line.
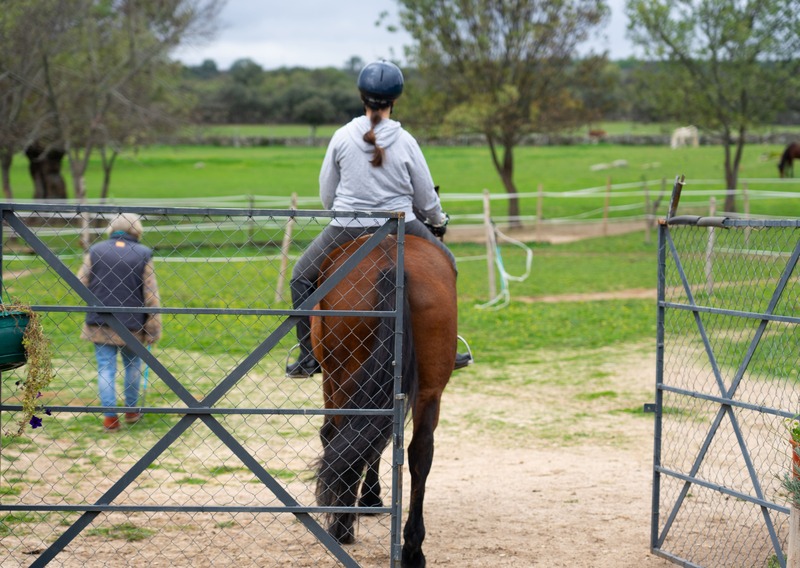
<point x="506" y="171"/>
<point x="733" y="160"/>
<point x="108" y="165"/>
<point x="513" y="202"/>
<point x="6" y="158"/>
<point x="731" y="173"/>
<point x="77" y="167"/>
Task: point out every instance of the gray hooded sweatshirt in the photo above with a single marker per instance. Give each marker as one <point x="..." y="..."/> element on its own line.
<point x="348" y="182"/>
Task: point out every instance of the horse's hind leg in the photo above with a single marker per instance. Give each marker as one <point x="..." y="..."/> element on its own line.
<point x="371" y="488"/>
<point x="420" y="458"/>
<point x="342" y="493"/>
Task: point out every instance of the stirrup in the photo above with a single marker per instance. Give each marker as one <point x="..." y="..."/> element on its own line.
<point x="469" y="351"/>
<point x="316" y="369"/>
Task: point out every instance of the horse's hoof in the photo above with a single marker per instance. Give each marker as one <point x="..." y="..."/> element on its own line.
<point x="413" y="559"/>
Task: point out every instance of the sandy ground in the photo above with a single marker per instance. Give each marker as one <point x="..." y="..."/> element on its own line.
<point x="540" y="463"/>
<point x="494" y="500"/>
<point x="498" y="502"/>
<point x="549" y="232"/>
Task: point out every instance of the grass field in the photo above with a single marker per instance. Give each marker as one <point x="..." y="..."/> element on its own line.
<point x="196" y="172"/>
<point x="302" y="131"/>
<point x="596" y="265"/>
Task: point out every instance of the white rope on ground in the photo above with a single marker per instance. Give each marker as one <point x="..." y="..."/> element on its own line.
<point x="504" y="297"/>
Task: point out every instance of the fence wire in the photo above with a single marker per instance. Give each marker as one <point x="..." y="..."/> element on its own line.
<point x="728" y="361"/>
<point x="220" y="471"/>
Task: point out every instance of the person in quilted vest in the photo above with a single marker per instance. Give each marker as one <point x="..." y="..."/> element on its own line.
<point x="119" y="272"/>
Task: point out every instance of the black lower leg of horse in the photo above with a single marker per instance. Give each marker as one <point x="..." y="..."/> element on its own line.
<point x="342" y="525"/>
<point x="371" y="488"/>
<point x="420" y="458"/>
<point x="337" y="490"/>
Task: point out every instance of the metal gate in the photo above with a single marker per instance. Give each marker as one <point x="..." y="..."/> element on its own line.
<point x="728" y="355"/>
<point x="220" y="470"/>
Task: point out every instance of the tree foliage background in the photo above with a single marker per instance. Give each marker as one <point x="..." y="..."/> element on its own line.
<point x="86" y="74"/>
<point x="725" y="65"/>
<point x="506" y="69"/>
<point x="95" y="76"/>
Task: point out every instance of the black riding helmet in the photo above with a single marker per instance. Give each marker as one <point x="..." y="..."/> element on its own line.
<point x="380" y="83"/>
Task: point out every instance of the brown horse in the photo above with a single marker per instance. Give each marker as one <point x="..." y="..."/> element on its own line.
<point x="785" y="166"/>
<point x="357" y="361"/>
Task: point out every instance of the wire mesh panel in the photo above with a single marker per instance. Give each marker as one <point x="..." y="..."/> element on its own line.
<point x="728" y="360"/>
<point x="220" y="468"/>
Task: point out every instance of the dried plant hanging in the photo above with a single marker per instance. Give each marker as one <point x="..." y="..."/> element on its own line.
<point x="23" y="342"/>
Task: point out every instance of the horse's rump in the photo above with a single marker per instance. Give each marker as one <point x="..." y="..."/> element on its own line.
<point x="431" y="290"/>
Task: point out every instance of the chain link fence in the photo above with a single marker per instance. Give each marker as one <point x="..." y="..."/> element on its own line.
<point x="220" y="470"/>
<point x="727" y="382"/>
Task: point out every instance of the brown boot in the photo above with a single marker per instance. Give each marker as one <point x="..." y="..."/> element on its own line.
<point x="110" y="423"/>
<point x="132" y="417"/>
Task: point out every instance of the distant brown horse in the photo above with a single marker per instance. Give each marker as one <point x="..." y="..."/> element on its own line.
<point x="785" y="166"/>
<point x="357" y="358"/>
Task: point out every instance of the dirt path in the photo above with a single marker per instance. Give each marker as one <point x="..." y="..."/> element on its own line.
<point x="629" y="294"/>
<point x="554" y="233"/>
<point x="534" y="494"/>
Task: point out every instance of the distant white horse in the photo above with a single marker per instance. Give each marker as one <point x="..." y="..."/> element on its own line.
<point x="683" y="136"/>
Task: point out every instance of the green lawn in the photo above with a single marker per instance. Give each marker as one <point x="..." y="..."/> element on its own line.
<point x="616" y="128"/>
<point x="199" y="172"/>
<point x="603" y="264"/>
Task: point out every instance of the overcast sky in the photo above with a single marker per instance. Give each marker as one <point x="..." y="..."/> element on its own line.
<point x="322" y="33"/>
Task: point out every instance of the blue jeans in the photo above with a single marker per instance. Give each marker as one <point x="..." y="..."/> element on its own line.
<point x="107" y="373"/>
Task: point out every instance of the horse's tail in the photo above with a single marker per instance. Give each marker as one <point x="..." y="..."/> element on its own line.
<point x="361" y="438"/>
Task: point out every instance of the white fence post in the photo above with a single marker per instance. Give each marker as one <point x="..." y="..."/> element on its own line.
<point x="709" y="267"/>
<point x="539" y="211"/>
<point x="648" y="217"/>
<point x="605" y="206"/>
<point x="287" y="241"/>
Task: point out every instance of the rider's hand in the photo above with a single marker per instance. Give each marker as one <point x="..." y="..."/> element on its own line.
<point x="443" y="223"/>
<point x="440" y="229"/>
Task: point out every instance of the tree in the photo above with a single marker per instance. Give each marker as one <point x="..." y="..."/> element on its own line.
<point x="354" y="65"/>
<point x="90" y="55"/>
<point x="502" y="68"/>
<point x="147" y="106"/>
<point x="725" y="65"/>
<point x="24" y="117"/>
<point x="247" y="72"/>
<point x="206" y="70"/>
<point x="315" y="111"/>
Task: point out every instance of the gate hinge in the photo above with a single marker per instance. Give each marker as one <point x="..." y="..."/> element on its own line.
<point x="649" y="407"/>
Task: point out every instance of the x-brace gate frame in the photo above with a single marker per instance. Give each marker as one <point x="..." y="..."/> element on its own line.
<point x="203" y="410"/>
<point x="726" y="399"/>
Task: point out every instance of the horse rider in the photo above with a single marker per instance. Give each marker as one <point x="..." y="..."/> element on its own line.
<point x="372" y="163"/>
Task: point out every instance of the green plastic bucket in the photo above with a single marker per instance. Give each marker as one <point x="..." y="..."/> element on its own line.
<point x="12" y="328"/>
